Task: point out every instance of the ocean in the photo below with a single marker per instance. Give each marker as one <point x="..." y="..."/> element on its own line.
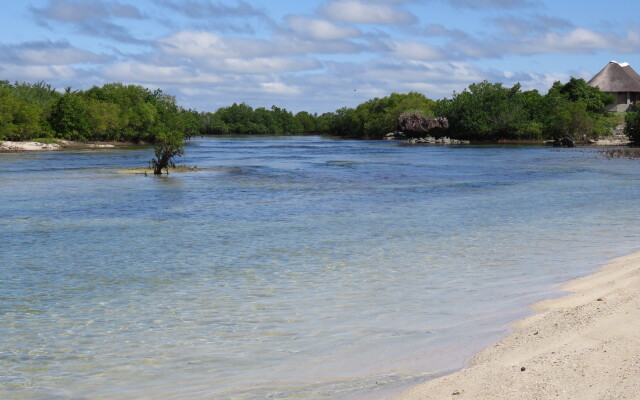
<point x="288" y="267"/>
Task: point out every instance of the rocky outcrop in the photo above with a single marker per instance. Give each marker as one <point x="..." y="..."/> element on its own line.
<point x="414" y="124"/>
<point x="414" y="127"/>
<point x="27" y="146"/>
<point x="432" y="140"/>
<point x="564" y="142"/>
<point x="616" y="140"/>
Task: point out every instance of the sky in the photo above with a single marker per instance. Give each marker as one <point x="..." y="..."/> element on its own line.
<point x="313" y="55"/>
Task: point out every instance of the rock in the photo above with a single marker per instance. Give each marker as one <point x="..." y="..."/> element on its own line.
<point x="415" y="124"/>
<point x="432" y="140"/>
<point x="615" y="140"/>
<point x="395" y="136"/>
<point x="27" y="146"/>
<point x="564" y="142"/>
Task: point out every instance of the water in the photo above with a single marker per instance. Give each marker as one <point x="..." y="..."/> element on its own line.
<point x="288" y="267"/>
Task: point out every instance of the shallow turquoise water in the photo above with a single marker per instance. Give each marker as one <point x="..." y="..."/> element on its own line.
<point x="295" y="267"/>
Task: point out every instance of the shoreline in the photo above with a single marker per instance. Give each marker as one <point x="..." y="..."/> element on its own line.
<point x="581" y="345"/>
<point x="7" y="146"/>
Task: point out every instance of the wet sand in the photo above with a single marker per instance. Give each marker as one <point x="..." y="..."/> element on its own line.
<point x="584" y="345"/>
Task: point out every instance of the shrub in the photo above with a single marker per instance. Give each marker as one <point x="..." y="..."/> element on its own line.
<point x="632" y="129"/>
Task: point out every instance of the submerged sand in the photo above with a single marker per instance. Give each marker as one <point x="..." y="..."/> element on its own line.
<point x="585" y="345"/>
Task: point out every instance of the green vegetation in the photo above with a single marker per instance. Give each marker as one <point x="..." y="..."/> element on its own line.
<point x="113" y="112"/>
<point x="375" y="118"/>
<point x="488" y="112"/>
<point x="632" y="129"/>
<point x="243" y="119"/>
<point x="169" y="145"/>
<point x="128" y="113"/>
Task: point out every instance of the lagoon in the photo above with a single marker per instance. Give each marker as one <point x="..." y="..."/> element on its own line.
<point x="288" y="267"/>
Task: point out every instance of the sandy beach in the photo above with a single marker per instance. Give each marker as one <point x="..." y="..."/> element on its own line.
<point x="11" y="146"/>
<point x="584" y="345"/>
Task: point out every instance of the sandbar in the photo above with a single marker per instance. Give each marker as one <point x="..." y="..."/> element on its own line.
<point x="583" y="345"/>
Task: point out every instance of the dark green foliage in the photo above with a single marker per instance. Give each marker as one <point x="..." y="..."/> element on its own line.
<point x="243" y="119"/>
<point x="39" y="94"/>
<point x="377" y="117"/>
<point x="169" y="144"/>
<point x="482" y="112"/>
<point x="18" y="120"/>
<point x="344" y="123"/>
<point x="632" y="128"/>
<point x="577" y="90"/>
<point x="70" y="118"/>
<point x="490" y="112"/>
<point x="573" y="121"/>
<point x="113" y="112"/>
<point x="211" y="124"/>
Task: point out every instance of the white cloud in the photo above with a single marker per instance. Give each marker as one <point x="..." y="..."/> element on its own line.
<point x="279" y="88"/>
<point x="320" y="29"/>
<point x="58" y="56"/>
<point x="577" y="40"/>
<point x="38" y="72"/>
<point x="140" y="72"/>
<point x="263" y="64"/>
<point x="208" y="45"/>
<point x="353" y="11"/>
<point x="73" y="11"/>
<point x="500" y="4"/>
<point x="47" y="53"/>
<point x="205" y="44"/>
<point x="415" y="50"/>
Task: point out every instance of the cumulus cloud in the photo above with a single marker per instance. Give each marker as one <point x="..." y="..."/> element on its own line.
<point x="151" y="73"/>
<point x="241" y="17"/>
<point x="47" y="53"/>
<point x="92" y="17"/>
<point x="499" y="4"/>
<point x="73" y="10"/>
<point x="200" y="9"/>
<point x="39" y="72"/>
<point x="205" y="44"/>
<point x="320" y="29"/>
<point x="411" y="49"/>
<point x="435" y="30"/>
<point x="209" y="45"/>
<point x="579" y="40"/>
<point x="353" y="11"/>
<point x="535" y="24"/>
<point x="279" y="88"/>
<point x="263" y="65"/>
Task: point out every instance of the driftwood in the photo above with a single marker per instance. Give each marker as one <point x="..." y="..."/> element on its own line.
<point x="414" y="123"/>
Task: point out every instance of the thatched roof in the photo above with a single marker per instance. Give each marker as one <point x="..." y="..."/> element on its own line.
<point x="616" y="77"/>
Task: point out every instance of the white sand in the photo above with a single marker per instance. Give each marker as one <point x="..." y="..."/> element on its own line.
<point x="585" y="345"/>
<point x="27" y="146"/>
<point x="36" y="146"/>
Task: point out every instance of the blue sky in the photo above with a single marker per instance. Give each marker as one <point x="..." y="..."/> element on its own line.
<point x="316" y="55"/>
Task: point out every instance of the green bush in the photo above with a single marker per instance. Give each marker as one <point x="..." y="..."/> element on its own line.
<point x="632" y="129"/>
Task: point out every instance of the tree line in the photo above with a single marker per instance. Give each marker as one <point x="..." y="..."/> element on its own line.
<point x="113" y="112"/>
<point x="482" y="112"/>
<point x="489" y="112"/>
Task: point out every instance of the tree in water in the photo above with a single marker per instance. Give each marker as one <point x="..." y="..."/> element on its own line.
<point x="169" y="145"/>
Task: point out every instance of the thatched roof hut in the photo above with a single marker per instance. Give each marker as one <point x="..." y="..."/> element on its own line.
<point x="620" y="80"/>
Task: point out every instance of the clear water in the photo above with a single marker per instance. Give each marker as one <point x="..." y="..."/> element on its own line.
<point x="289" y="267"/>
